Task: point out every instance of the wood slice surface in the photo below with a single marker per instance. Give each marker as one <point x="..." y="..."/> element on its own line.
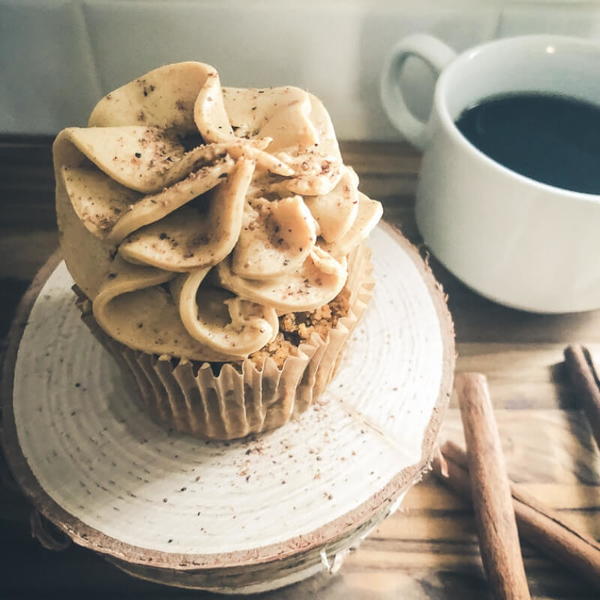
<point x="239" y="516"/>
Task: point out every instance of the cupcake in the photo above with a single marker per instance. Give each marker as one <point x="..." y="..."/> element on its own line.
<point x="215" y="238"/>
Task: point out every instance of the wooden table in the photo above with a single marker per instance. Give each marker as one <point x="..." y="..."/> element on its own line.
<point x="429" y="548"/>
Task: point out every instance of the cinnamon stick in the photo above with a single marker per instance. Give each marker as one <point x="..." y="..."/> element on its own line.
<point x="540" y="525"/>
<point x="492" y="500"/>
<point x="587" y="385"/>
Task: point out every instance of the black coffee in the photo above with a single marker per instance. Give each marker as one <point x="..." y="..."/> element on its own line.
<point x="553" y="139"/>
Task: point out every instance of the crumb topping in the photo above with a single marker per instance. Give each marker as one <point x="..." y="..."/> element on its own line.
<point x="297" y="328"/>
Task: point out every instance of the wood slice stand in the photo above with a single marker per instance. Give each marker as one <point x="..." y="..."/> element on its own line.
<point x="238" y="517"/>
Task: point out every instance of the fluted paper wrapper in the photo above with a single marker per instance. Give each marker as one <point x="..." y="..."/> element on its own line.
<point x="242" y="399"/>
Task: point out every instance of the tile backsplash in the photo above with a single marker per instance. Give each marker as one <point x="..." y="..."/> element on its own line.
<point x="57" y="57"/>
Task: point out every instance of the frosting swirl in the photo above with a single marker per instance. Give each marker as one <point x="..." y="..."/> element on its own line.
<point x="194" y="215"/>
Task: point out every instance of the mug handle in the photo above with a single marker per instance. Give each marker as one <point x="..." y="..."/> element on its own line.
<point x="429" y="49"/>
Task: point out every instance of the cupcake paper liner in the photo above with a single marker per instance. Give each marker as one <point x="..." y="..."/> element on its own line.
<point x="242" y="399"/>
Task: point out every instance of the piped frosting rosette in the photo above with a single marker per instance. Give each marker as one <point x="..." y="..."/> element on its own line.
<point x="192" y="216"/>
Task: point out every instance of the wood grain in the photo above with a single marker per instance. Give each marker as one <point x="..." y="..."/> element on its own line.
<point x="537" y="522"/>
<point x="427" y="551"/>
<point x="228" y="553"/>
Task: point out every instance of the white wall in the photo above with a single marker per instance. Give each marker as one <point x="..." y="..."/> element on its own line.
<point x="57" y="57"/>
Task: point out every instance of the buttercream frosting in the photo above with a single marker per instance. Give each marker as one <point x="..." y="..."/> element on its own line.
<point x="194" y="215"/>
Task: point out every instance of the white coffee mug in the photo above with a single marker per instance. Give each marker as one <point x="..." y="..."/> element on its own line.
<point x="517" y="241"/>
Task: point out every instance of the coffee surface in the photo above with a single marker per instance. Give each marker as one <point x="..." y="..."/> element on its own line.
<point x="552" y="139"/>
